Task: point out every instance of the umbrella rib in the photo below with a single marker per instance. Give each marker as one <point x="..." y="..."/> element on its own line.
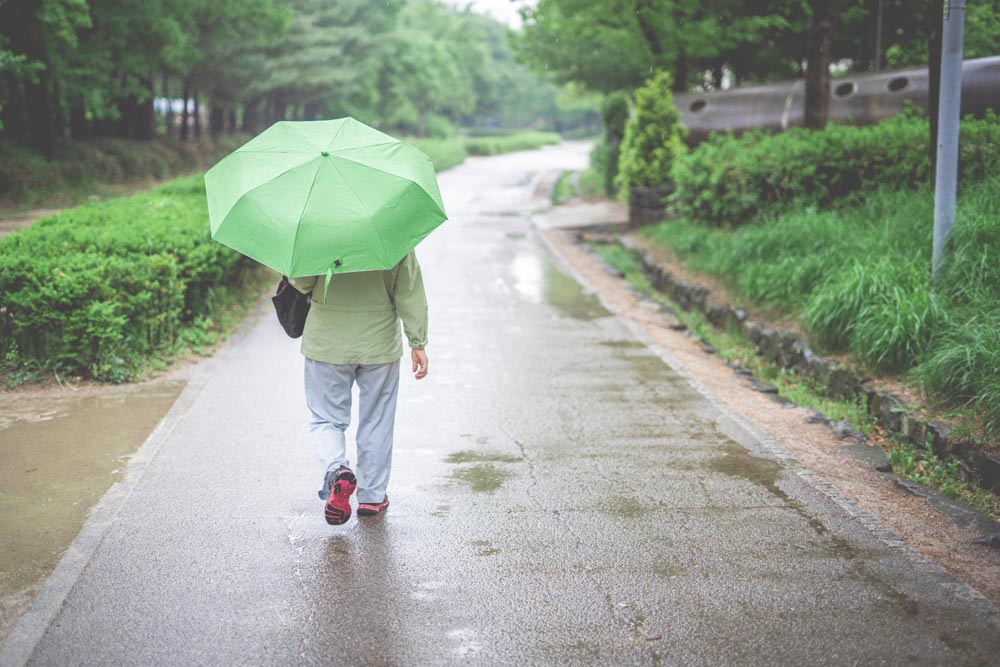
<point x="362" y="202"/>
<point x="340" y="131"/>
<point x="305" y="202"/>
<point x="338" y="151"/>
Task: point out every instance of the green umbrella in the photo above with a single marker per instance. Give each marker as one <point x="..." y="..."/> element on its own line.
<point x="318" y="197"/>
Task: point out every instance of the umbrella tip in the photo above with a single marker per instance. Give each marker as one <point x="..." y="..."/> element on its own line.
<point x="325" y="153"/>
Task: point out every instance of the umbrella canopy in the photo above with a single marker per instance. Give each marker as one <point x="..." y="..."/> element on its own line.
<point x="308" y="198"/>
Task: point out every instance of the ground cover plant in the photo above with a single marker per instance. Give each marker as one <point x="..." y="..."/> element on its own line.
<point x="858" y="279"/>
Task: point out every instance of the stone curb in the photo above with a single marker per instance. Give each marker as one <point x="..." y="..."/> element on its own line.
<point x="790" y="351"/>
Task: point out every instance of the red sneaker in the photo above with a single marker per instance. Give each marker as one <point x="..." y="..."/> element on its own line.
<point x="338" y="507"/>
<point x="371" y="509"/>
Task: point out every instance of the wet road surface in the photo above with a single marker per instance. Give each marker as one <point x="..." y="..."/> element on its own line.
<point x="560" y="496"/>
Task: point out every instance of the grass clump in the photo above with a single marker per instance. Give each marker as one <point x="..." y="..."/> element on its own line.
<point x="921" y="465"/>
<point x="858" y="278"/>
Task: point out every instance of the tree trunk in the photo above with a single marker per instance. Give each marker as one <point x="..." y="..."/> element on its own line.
<point x="251" y="116"/>
<point x="168" y="119"/>
<point x="934" y="39"/>
<point x="717" y="76"/>
<point x="79" y="128"/>
<point x="196" y="110"/>
<point x="39" y="109"/>
<point x="817" y="100"/>
<point x="185" y="116"/>
<point x="216" y="120"/>
<point x="145" y="114"/>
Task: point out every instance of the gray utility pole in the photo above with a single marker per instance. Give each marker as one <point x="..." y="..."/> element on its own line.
<point x="946" y="177"/>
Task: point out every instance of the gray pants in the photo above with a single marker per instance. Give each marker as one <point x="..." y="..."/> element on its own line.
<point x="328" y="395"/>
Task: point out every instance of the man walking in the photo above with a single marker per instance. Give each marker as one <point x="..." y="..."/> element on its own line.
<point x="353" y="335"/>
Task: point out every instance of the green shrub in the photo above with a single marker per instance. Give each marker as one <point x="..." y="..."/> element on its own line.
<point x="91" y="290"/>
<point x="509" y="143"/>
<point x="728" y="180"/>
<point x="444" y="153"/>
<point x="653" y="137"/>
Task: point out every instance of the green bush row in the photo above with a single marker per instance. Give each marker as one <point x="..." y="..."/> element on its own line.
<point x="90" y="290"/>
<point x="509" y="143"/>
<point x="27" y="177"/>
<point x="858" y="278"/>
<point x="727" y="180"/>
<point x="444" y="153"/>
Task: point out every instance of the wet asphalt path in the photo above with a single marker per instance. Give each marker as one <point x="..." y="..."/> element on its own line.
<point x="559" y="497"/>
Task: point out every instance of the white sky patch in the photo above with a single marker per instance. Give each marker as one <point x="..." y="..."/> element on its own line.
<point x="504" y="11"/>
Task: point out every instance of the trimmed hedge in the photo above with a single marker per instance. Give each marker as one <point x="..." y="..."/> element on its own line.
<point x="727" y="180"/>
<point x="89" y="290"/>
<point x="509" y="143"/>
<point x="444" y="153"/>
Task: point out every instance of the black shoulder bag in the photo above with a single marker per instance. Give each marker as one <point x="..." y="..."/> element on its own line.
<point x="292" y="306"/>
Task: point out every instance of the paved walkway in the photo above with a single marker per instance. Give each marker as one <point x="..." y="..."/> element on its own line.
<point x="560" y="497"/>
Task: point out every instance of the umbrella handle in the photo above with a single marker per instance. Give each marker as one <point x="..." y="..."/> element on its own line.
<point x="329" y="276"/>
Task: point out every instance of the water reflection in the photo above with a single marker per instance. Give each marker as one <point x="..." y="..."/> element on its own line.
<point x="537" y="280"/>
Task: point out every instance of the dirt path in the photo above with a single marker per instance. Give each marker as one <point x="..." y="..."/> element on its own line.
<point x="928" y="531"/>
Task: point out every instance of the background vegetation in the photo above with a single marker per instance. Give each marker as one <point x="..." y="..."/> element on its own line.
<point x="728" y="179"/>
<point x="856" y="272"/>
<point x="80" y="69"/>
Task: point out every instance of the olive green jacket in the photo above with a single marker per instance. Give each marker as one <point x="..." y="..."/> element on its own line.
<point x="359" y="321"/>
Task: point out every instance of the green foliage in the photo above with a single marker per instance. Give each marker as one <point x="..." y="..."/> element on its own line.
<point x="884" y="311"/>
<point x="614" y="114"/>
<point x="610" y="45"/>
<point x="858" y="278"/>
<point x="653" y="137"/>
<point x="728" y="180"/>
<point x="444" y="153"/>
<point x="606" y="152"/>
<point x="509" y="143"/>
<point x="26" y="177"/>
<point x="921" y="465"/>
<point x="93" y="289"/>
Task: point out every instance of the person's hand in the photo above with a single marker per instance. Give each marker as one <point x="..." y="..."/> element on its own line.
<point x="419" y="363"/>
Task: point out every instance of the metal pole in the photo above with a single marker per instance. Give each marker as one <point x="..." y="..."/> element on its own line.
<point x="946" y="176"/>
<point x="878" y="37"/>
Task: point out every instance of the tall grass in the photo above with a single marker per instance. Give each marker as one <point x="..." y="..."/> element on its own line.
<point x="858" y="278"/>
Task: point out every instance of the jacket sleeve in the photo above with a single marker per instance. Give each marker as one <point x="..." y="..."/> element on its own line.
<point x="411" y="302"/>
<point x="304" y="285"/>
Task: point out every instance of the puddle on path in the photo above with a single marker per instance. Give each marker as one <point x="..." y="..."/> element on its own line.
<point x="470" y="456"/>
<point x="482" y="477"/>
<point x="538" y="280"/>
<point x="60" y="455"/>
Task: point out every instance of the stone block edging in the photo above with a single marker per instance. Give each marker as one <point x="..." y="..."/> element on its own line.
<point x="789" y="350"/>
